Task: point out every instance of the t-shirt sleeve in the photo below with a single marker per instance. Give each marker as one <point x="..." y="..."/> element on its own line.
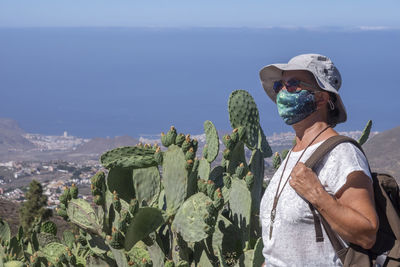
<point x="344" y="159"/>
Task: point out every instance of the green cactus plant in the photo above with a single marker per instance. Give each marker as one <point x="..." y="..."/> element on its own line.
<point x="171" y="206"/>
<point x="49" y="227"/>
<point x="365" y="134"/>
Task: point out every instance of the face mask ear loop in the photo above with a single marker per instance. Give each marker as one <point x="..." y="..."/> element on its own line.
<point x="331" y="105"/>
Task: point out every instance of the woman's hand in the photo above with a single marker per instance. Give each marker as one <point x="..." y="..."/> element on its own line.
<point x="351" y="213"/>
<point x="305" y="182"/>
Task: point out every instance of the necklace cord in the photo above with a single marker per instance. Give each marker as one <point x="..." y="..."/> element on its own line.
<point x="278" y="193"/>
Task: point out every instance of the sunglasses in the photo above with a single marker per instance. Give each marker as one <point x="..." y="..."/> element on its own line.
<point x="291" y="85"/>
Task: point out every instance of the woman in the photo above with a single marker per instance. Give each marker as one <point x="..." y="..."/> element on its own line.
<point x="306" y="93"/>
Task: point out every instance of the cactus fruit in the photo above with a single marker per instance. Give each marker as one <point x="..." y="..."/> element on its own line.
<point x="195" y="144"/>
<point x="240" y="171"/>
<point x="158" y="156"/>
<point x="227" y="153"/>
<point x="276" y="161"/>
<point x="65" y="196"/>
<point x="116" y="202"/>
<point x="73" y="191"/>
<point x="211" y="189"/>
<point x="98" y="200"/>
<point x="234" y="136"/>
<point x="180" y="138"/>
<point x="186" y="144"/>
<point x="117" y="239"/>
<point x="190" y="154"/>
<point x="170" y="137"/>
<point x="189" y="165"/>
<point x="202" y="186"/>
<point x="163" y="139"/>
<point x="62" y="212"/>
<point x="227" y="180"/>
<point x="70" y="257"/>
<point x="249" y="180"/>
<point x="241" y="133"/>
<point x="228" y="141"/>
<point x="218" y="199"/>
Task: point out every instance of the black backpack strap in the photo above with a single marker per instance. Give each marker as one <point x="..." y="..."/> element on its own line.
<point x="312" y="162"/>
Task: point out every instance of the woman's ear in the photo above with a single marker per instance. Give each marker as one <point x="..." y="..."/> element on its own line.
<point x="321" y="99"/>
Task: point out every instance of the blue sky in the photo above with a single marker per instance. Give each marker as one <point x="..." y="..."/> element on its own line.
<point x="205" y="13"/>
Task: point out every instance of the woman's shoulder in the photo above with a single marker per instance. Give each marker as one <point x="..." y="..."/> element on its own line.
<point x="346" y="157"/>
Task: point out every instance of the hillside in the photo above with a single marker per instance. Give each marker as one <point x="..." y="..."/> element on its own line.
<point x="383" y="151"/>
<point x="9" y="211"/>
<point x="11" y="136"/>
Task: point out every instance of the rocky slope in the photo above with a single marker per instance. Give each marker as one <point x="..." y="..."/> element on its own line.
<point x="383" y="151"/>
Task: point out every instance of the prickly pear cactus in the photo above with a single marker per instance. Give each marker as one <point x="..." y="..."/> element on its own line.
<point x="175" y="178"/>
<point x="212" y="141"/>
<point x="129" y="157"/>
<point x="157" y="207"/>
<point x="195" y="220"/>
<point x="49" y="227"/>
<point x="81" y="213"/>
<point x="365" y="134"/>
<point x="243" y="112"/>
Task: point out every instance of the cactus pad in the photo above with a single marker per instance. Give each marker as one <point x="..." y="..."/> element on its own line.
<point x="129" y="157"/>
<point x="365" y="134"/>
<point x="49" y="227"/>
<point x="5" y="232"/>
<point x="145" y="221"/>
<point x="146" y="182"/>
<point x="175" y="178"/>
<point x="120" y="180"/>
<point x="226" y="237"/>
<point x="190" y="220"/>
<point x="257" y="168"/>
<point x="243" y="112"/>
<point x="81" y="213"/>
<point x="53" y="251"/>
<point x="264" y="146"/>
<point x="212" y="141"/>
<point x="204" y="169"/>
<point x="240" y="204"/>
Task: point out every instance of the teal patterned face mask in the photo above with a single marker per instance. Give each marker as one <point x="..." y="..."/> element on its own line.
<point x="296" y="106"/>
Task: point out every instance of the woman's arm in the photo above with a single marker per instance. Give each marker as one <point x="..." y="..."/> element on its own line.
<point x="351" y="214"/>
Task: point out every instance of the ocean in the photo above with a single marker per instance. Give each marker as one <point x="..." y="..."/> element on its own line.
<point x="97" y="82"/>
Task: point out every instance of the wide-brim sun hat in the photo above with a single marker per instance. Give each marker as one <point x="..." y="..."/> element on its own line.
<point x="324" y="71"/>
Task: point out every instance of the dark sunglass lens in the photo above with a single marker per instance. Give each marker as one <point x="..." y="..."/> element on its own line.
<point x="277" y="86"/>
<point x="293" y="82"/>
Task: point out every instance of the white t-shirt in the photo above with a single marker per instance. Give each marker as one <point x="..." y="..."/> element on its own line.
<point x="293" y="237"/>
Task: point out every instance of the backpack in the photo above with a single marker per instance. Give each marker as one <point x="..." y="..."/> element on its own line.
<point x="386" y="250"/>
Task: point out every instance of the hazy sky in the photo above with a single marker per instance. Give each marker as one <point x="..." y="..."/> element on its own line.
<point x="204" y="13"/>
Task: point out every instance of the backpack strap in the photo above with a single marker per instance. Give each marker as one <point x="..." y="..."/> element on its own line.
<point x="327" y="146"/>
<point x="311" y="163"/>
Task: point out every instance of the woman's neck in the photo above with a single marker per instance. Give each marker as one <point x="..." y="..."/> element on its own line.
<point x="305" y="132"/>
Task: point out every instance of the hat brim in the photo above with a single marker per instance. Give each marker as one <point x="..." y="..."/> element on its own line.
<point x="271" y="73"/>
